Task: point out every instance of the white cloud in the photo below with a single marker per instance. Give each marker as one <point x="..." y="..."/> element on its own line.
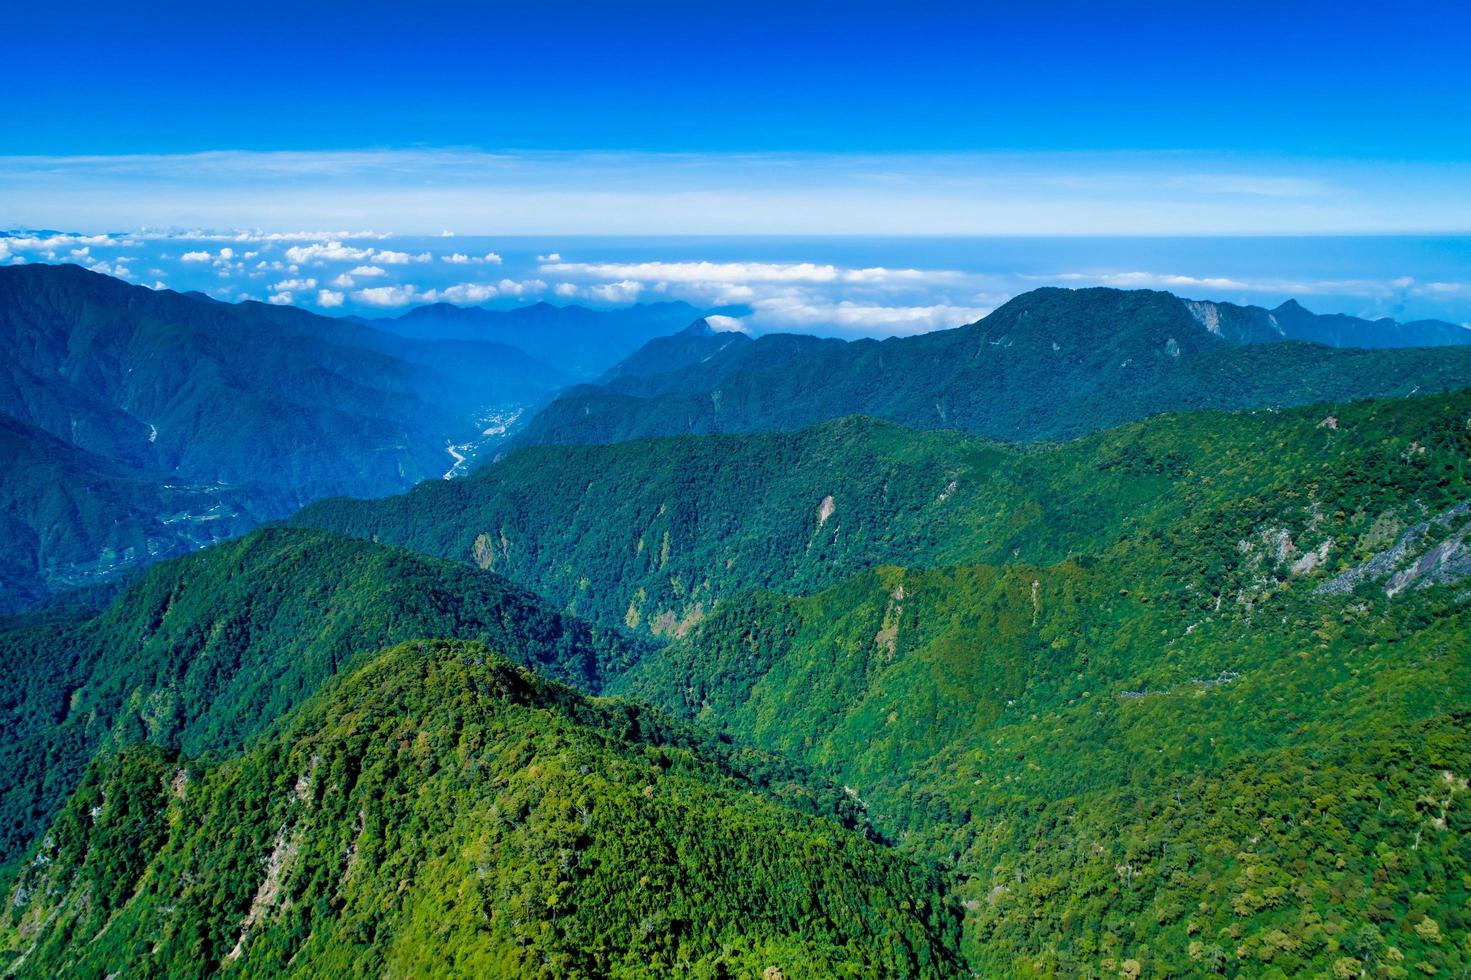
<point x="460" y="258"/>
<point x="422" y="190"/>
<point x="49" y="244"/>
<point x="367" y="271"/>
<point x="288" y="285"/>
<point x="747" y="272"/>
<point x="330" y="251"/>
<point x="327" y="299"/>
<point x="465" y="292"/>
<point x="386" y="296"/>
<point x="550" y="257"/>
<point x="399" y="258"/>
<point x="726" y="324"/>
<point x="221" y="260"/>
<point x="343" y="281"/>
<point x="117" y="269"/>
<point x="1150" y="280"/>
<point x="470" y="292"/>
<point x="525" y="287"/>
<point x="625" y="291"/>
<point x="565" y="289"/>
<point x="256" y="236"/>
<point x="280" y="299"/>
<point x="856" y="318"/>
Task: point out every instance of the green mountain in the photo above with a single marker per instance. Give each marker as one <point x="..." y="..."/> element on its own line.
<point x="189" y="419"/>
<point x="438" y="810"/>
<point x="1234" y="739"/>
<point x="652" y="534"/>
<point x="1185" y="695"/>
<point x="1050" y="364"/>
<point x="205" y="652"/>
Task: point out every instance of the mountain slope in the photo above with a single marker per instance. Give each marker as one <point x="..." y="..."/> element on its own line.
<point x="695" y="344"/>
<point x="1181" y="696"/>
<point x="1124" y="686"/>
<point x="69" y="517"/>
<point x="205" y="652"/>
<point x="1230" y="741"/>
<point x="1050" y="364"/>
<point x="262" y="407"/>
<point x="439" y="810"/>
<point x="652" y="534"/>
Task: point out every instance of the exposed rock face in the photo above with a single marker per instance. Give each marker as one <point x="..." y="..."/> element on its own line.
<point x="1412" y="562"/>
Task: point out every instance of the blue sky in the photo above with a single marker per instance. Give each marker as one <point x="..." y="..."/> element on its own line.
<point x="1355" y="81"/>
<point x="160" y="130"/>
<point x="757" y="118"/>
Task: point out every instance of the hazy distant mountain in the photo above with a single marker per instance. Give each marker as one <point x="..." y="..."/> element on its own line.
<point x="69" y="517"/>
<point x="695" y="344"/>
<point x="576" y="340"/>
<point x="1049" y="364"/>
<point x="196" y="418"/>
<point x="1290" y="321"/>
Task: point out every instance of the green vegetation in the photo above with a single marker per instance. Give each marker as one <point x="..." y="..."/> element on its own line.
<point x="1188" y="750"/>
<point x="1118" y="688"/>
<point x="205" y="652"/>
<point x="1049" y="364"/>
<point x="1039" y="756"/>
<point x="652" y="534"/>
<point x="440" y="811"/>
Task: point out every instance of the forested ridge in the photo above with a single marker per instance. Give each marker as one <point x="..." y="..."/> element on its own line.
<point x="438" y="810"/>
<point x="1096" y="653"/>
<point x="1048" y="364"/>
<point x="206" y="651"/>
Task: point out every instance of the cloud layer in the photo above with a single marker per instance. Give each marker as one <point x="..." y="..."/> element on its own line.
<point x="425" y="191"/>
<point x="816" y="286"/>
